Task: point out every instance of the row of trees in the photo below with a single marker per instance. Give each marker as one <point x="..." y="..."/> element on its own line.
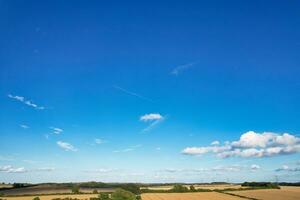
<point x="178" y="188"/>
<point x="119" y="194"/>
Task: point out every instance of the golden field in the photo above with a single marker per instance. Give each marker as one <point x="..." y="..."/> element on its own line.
<point x="285" y="193"/>
<point x="50" y="197"/>
<point x="5" y="185"/>
<point x="202" y="186"/>
<point x="188" y="196"/>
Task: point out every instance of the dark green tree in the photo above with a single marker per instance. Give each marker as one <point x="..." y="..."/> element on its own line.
<point x="121" y="194"/>
<point x="179" y="188"/>
<point x="192" y="188"/>
<point x="75" y="189"/>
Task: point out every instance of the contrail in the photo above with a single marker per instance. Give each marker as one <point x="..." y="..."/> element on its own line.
<point x="133" y="93"/>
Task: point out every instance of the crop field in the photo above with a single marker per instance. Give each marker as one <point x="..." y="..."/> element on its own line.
<point x="189" y="196"/>
<point x="285" y="193"/>
<point x="202" y="186"/>
<point x="50" y="197"/>
<point x="5" y="185"/>
<point x="48" y="189"/>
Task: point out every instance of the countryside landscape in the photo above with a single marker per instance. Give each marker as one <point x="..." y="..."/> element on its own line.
<point x="149" y="100"/>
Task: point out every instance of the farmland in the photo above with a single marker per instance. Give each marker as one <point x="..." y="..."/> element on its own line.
<point x="286" y="193"/>
<point x="258" y="191"/>
<point x="198" y="186"/>
<point x="49" y="189"/>
<point x="50" y="197"/>
<point x="189" y="196"/>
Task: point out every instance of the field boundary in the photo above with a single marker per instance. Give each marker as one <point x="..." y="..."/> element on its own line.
<point x="237" y="195"/>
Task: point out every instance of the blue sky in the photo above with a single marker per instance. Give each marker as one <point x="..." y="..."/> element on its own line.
<point x="149" y="91"/>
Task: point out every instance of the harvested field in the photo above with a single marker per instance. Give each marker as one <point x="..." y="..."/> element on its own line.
<point x="285" y="193"/>
<point x="50" y="197"/>
<point x="5" y="186"/>
<point x="188" y="196"/>
<point x="204" y="186"/>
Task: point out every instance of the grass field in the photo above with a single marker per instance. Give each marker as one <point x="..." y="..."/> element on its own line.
<point x="188" y="196"/>
<point x="50" y="197"/>
<point x="285" y="193"/>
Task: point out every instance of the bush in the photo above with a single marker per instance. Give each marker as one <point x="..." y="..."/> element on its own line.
<point x="36" y="198"/>
<point x="95" y="191"/>
<point x="192" y="188"/>
<point x="138" y="197"/>
<point x="131" y="187"/>
<point x="121" y="194"/>
<point x="104" y="196"/>
<point x="75" y="189"/>
<point x="179" y="188"/>
<point x="261" y="185"/>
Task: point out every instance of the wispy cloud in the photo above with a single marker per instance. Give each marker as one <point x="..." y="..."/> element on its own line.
<point x="153" y="118"/>
<point x="131" y="148"/>
<point x="99" y="141"/>
<point x="24" y="126"/>
<point x="132" y="93"/>
<point x="287" y="168"/>
<point x="44" y="169"/>
<point x="100" y="170"/>
<point x="66" y="146"/>
<point x="177" y="70"/>
<point x="219" y="168"/>
<point x="26" y="102"/>
<point x="10" y="169"/>
<point x="30" y="161"/>
<point x="252" y="144"/>
<point x="6" y="158"/>
<point x="56" y="130"/>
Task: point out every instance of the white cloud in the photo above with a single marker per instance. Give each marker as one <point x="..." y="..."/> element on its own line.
<point x="215" y="143"/>
<point x="252" y="144"/>
<point x="177" y="70"/>
<point x="26" y="102"/>
<point x="10" y="169"/>
<point x="56" y="130"/>
<point x="99" y="141"/>
<point x="255" y="167"/>
<point x="24" y="126"/>
<point x="66" y="146"/>
<point x="204" y="150"/>
<point x="287" y="168"/>
<point x="153" y="118"/>
<point x="100" y="170"/>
